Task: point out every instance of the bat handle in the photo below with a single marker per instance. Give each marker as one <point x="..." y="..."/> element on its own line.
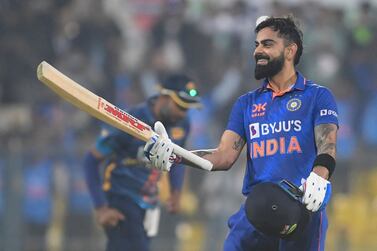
<point x="193" y="158"/>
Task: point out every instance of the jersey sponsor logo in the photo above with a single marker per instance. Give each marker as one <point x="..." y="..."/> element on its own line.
<point x="254" y="130"/>
<point x="282" y="145"/>
<point x="263" y="129"/>
<point x="294" y="104"/>
<point x="258" y="110"/>
<point x="328" y="112"/>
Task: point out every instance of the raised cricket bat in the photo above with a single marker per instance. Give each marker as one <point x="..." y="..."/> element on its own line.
<point x="103" y="110"/>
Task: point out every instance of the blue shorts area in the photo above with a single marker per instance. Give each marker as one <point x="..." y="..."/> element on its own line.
<point x="129" y="234"/>
<point x="243" y="236"/>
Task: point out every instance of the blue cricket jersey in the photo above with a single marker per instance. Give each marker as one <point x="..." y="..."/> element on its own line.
<point x="124" y="174"/>
<point x="279" y="130"/>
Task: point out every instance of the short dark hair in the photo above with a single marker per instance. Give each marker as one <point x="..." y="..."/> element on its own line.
<point x="287" y="27"/>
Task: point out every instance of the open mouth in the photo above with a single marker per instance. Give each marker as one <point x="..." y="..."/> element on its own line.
<point x="261" y="59"/>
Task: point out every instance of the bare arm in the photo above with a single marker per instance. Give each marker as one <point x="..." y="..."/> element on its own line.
<point x="224" y="156"/>
<point x="325" y="139"/>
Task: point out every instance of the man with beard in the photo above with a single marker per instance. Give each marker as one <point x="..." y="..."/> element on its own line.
<point x="289" y="126"/>
<point x="121" y="183"/>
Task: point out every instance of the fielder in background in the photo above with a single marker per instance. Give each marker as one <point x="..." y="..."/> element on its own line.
<point x="125" y="192"/>
<point x="289" y="126"/>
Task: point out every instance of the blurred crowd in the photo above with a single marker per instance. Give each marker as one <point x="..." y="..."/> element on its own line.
<point x="120" y="49"/>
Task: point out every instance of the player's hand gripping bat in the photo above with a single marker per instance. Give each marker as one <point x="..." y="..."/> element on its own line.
<point x="103" y="110"/>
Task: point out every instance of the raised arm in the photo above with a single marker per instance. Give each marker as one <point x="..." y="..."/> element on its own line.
<point x="160" y="151"/>
<point x="224" y="156"/>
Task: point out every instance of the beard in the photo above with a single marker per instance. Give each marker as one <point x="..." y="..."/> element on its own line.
<point x="269" y="70"/>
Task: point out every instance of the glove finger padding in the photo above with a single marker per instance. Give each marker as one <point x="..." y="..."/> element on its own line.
<point x="159" y="128"/>
<point x="166" y="152"/>
<point x="152" y="143"/>
<point x="162" y="151"/>
<point x="159" y="149"/>
<point x="317" y="192"/>
<point x="150" y="146"/>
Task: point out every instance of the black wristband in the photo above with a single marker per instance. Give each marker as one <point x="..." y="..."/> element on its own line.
<point x="325" y="160"/>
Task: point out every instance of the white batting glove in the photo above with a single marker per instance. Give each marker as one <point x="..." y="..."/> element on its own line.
<point x="159" y="150"/>
<point x="317" y="192"/>
<point x="142" y="159"/>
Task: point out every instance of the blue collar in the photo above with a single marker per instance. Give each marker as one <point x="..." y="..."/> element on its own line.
<point x="299" y="85"/>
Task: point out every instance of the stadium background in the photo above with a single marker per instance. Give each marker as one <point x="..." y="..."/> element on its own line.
<point x="118" y="48"/>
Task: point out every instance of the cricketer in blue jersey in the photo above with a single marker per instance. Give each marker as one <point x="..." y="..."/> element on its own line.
<point x="289" y="126"/>
<point x="125" y="192"/>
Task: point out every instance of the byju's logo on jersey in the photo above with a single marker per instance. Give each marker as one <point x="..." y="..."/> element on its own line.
<point x="294" y="104"/>
<point x="284" y="139"/>
<point x="254" y="130"/>
<point x="257" y="130"/>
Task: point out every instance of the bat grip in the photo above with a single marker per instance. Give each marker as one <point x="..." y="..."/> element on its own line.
<point x="193" y="158"/>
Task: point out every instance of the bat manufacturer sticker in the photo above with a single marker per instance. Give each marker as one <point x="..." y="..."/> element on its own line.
<point x="125" y="117"/>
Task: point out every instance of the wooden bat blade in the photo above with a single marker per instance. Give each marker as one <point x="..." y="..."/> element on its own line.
<point x="89" y="102"/>
<point x="103" y="110"/>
